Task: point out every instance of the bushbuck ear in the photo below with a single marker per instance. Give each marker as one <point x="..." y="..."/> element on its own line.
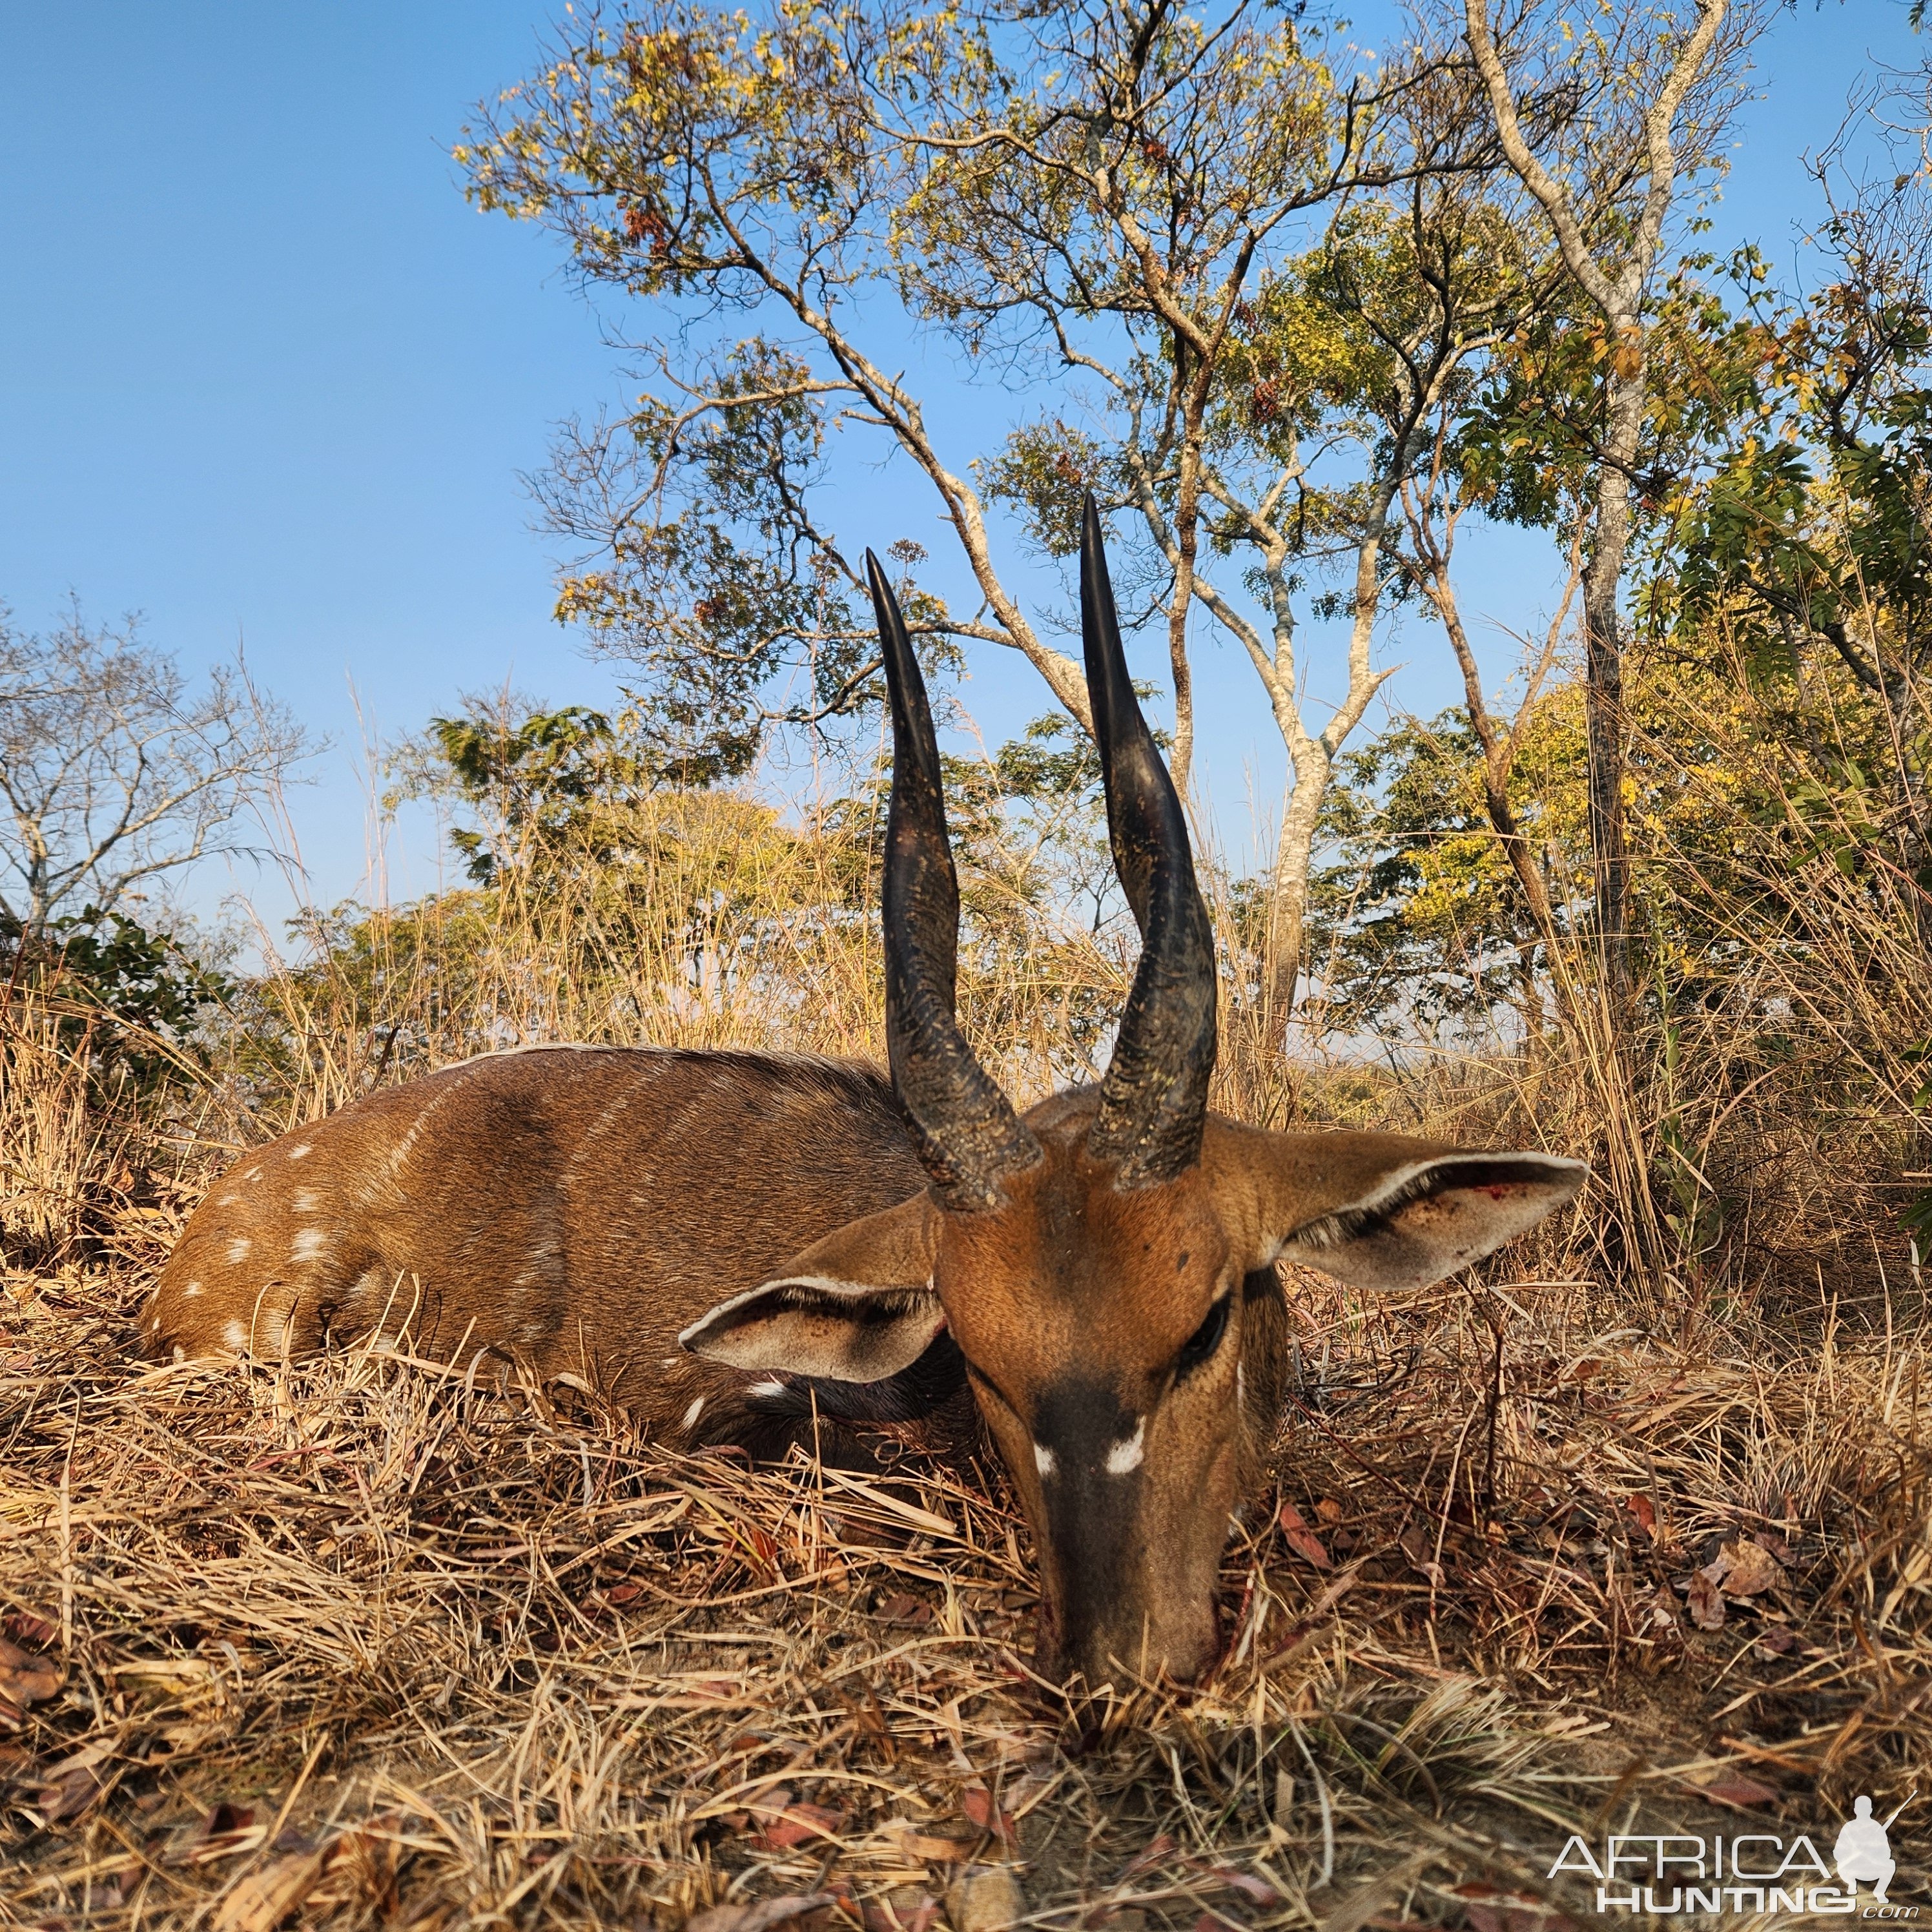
<point x="1379" y="1210"/>
<point x="857" y="1306"/>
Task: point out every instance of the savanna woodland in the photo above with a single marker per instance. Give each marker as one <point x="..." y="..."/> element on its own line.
<point x="1628" y="1531"/>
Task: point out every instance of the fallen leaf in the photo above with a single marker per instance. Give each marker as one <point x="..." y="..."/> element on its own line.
<point x="901" y="1607"/>
<point x="799" y="1823"/>
<point x="1328" y="1510"/>
<point x="1741" y="1791"/>
<point x="1302" y="1540"/>
<point x="977" y="1802"/>
<point x="891" y="1915"/>
<point x="1643" y="1513"/>
<point x="23" y="1626"/>
<point x="1746" y="1569"/>
<point x="26" y="1678"/>
<point x="68" y="1791"/>
<point x="931" y="1846"/>
<point x="1705" y="1600"/>
<point x="1256" y="1891"/>
<point x="1159" y="1848"/>
<point x="758" y="1918"/>
<point x="215" y="1834"/>
<point x="1663" y="1607"/>
<point x="260" y="1901"/>
<point x="1773" y="1640"/>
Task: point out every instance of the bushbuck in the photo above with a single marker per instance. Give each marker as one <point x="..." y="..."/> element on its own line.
<point x="744" y="1247"/>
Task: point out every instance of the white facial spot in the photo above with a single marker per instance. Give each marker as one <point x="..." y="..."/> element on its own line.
<point x="237" y="1249"/>
<point x="1043" y="1459"/>
<point x="692" y="1414"/>
<point x="304" y="1199"/>
<point x="1240" y="1385"/>
<point x="309" y="1245"/>
<point x="235" y="1334"/>
<point x="297" y="1152"/>
<point x="1126" y="1454"/>
<point x="768" y="1388"/>
<point x="669" y="1362"/>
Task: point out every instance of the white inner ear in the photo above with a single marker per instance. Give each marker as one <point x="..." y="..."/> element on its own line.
<point x="812" y="1325"/>
<point x="1408" y="1233"/>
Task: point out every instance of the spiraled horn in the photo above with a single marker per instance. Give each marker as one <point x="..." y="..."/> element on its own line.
<point x="1154" y="1101"/>
<point x="968" y="1136"/>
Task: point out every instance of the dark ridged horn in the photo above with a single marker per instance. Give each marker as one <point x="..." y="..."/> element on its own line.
<point x="1154" y="1101"/>
<point x="968" y="1136"/>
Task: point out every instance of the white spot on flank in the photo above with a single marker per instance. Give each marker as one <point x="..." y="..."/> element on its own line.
<point x="237" y="1249"/>
<point x="1125" y="1455"/>
<point x="191" y="1291"/>
<point x="309" y="1245"/>
<point x="297" y="1152"/>
<point x="1042" y="1457"/>
<point x="235" y="1334"/>
<point x="253" y="1174"/>
<point x="768" y="1388"/>
<point x="304" y="1200"/>
<point x="692" y="1414"/>
<point x="229" y="1200"/>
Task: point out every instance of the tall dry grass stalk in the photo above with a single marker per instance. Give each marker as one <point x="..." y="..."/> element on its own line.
<point x="52" y="1140"/>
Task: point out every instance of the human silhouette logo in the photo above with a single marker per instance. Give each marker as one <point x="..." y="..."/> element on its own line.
<point x="1864" y="1853"/>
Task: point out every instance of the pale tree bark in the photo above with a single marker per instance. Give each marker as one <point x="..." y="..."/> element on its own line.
<point x="1614" y="280"/>
<point x="1311" y="754"/>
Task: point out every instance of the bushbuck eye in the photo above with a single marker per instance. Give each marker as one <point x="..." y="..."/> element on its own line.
<point x="1206" y="1339"/>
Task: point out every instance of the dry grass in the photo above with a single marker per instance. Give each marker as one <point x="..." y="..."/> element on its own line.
<point x="346" y="1639"/>
<point x="345" y="1643"/>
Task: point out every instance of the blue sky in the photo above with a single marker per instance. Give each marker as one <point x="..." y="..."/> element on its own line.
<point x="266" y="376"/>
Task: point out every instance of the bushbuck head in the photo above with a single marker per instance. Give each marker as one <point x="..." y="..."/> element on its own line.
<point x="1106" y="1262"/>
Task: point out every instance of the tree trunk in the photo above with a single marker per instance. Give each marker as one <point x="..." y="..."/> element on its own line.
<point x="1287" y="901"/>
<point x="1603" y="676"/>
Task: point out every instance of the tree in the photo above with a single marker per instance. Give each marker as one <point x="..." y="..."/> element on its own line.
<point x="1124" y="193"/>
<point x="1607" y="184"/>
<point x="539" y="781"/>
<point x="1260" y="388"/>
<point x="114" y="772"/>
<point x="1810" y="529"/>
